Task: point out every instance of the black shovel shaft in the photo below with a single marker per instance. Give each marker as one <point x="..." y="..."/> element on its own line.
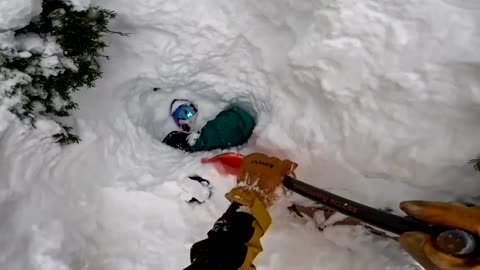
<point x="375" y="217"/>
<point x="449" y="240"/>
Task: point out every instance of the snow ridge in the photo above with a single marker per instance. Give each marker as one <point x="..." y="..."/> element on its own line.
<point x="377" y="101"/>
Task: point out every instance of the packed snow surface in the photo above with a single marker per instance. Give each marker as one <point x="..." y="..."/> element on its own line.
<point x="376" y="100"/>
<point x="15" y="14"/>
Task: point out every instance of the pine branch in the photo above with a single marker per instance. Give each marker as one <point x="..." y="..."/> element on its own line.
<point x="118" y="33"/>
<point x="476" y="164"/>
<point x="80" y="35"/>
<point x="66" y="137"/>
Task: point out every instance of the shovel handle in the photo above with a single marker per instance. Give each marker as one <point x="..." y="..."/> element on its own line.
<point x="452" y="241"/>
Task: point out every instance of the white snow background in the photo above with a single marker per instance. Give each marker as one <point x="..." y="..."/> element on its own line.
<point x="376" y="100"/>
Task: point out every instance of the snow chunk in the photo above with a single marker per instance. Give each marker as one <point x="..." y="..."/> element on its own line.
<point x="79" y="5"/>
<point x="194" y="190"/>
<point x="7" y="45"/>
<point x="47" y="126"/>
<point x="15" y="14"/>
<point x="52" y="61"/>
<point x="10" y="80"/>
<point x="7" y="40"/>
<point x="319" y="217"/>
<point x="50" y="65"/>
<point x="52" y="47"/>
<point x="193" y="137"/>
<point x="24" y="54"/>
<point x="30" y="42"/>
<point x="337" y="217"/>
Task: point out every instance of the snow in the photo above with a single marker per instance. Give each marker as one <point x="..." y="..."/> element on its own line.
<point x="52" y="60"/>
<point x="7" y="42"/>
<point x="10" y="80"/>
<point x="194" y="190"/>
<point x="79" y="5"/>
<point x="377" y="101"/>
<point x="16" y="14"/>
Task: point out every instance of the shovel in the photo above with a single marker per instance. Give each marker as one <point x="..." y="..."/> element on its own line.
<point x="449" y="240"/>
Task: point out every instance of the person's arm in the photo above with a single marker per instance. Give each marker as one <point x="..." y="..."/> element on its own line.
<point x="234" y="241"/>
<point x="421" y="246"/>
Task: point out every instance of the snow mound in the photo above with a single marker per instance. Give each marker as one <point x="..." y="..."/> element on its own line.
<point x="79" y="5"/>
<point x="15" y="14"/>
<point x="377" y="101"/>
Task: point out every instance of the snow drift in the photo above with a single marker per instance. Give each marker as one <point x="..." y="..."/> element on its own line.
<point x="376" y="101"/>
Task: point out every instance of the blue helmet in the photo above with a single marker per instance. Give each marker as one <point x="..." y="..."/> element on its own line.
<point x="184" y="113"/>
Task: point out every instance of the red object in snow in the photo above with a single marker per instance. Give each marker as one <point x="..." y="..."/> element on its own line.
<point x="226" y="163"/>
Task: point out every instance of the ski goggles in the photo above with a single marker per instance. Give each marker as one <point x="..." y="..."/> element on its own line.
<point x="184" y="112"/>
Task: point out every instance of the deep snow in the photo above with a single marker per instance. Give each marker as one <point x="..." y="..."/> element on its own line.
<point x="17" y="14"/>
<point x="376" y="101"/>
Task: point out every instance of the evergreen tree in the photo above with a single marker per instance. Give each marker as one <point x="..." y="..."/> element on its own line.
<point x="476" y="164"/>
<point x="72" y="42"/>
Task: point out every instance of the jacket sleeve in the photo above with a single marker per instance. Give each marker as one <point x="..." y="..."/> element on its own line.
<point x="234" y="241"/>
<point x="231" y="127"/>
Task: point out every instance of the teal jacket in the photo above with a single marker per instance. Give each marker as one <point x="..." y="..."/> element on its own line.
<point x="231" y="127"/>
